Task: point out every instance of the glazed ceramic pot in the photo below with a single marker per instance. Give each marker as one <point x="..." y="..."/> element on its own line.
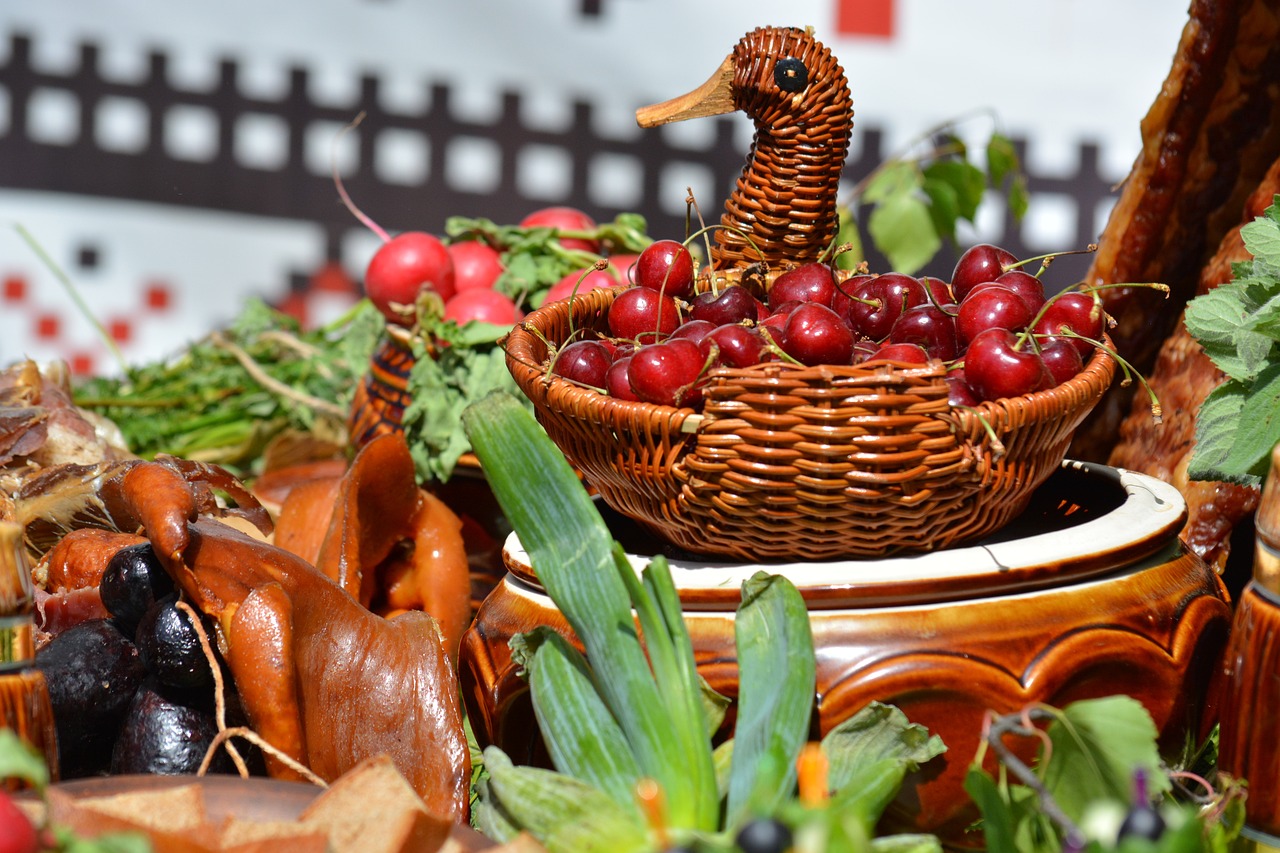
<point x="1088" y="593"/>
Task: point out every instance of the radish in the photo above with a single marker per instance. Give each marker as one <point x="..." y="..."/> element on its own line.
<point x="402" y="268"/>
<point x="565" y="287"/>
<point x="564" y="219"/>
<point x="475" y="264"/>
<point x="484" y="306"/>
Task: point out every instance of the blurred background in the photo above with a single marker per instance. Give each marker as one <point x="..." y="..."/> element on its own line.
<point x="171" y="160"/>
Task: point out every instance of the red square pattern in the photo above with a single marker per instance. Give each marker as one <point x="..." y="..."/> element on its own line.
<point x="15" y="289"/>
<point x="865" y="18"/>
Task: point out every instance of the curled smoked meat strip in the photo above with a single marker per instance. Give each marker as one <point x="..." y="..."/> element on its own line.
<point x="320" y="677"/>
<point x="1208" y="139"/>
<point x="1182" y="377"/>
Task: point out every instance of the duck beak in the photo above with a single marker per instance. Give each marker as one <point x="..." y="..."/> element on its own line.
<point x="712" y="98"/>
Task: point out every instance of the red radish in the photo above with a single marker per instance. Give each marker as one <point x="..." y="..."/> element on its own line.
<point x="475" y="264"/>
<point x="403" y="267"/>
<point x="564" y="288"/>
<point x="625" y="266"/>
<point x="484" y="306"/>
<point x="564" y="219"/>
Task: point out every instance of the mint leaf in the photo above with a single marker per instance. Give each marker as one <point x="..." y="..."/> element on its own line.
<point x="1216" y="423"/>
<point x="1258" y="429"/>
<point x="1220" y="321"/>
<point x="1262" y="239"/>
<point x="903" y="230"/>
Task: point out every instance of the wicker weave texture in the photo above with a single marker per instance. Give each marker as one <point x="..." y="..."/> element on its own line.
<point x="803" y="463"/>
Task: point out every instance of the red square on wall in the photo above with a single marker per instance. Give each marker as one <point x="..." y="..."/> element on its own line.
<point x="865" y="18"/>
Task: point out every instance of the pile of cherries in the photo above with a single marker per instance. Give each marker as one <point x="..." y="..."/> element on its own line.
<point x="991" y="326"/>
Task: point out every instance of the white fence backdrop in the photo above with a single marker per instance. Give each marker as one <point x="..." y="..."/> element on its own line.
<point x="173" y="159"/>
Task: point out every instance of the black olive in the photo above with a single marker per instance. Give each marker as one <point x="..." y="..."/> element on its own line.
<point x="170" y="646"/>
<point x="764" y="835"/>
<point x="133" y="581"/>
<point x="93" y="672"/>
<point x="167" y="732"/>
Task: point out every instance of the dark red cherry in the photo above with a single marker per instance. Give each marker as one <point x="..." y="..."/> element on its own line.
<point x="667" y="373"/>
<point x="643" y="315"/>
<point x="665" y="266"/>
<point x="881" y="301"/>
<point x="812" y="282"/>
<point x="958" y="391"/>
<point x="694" y="330"/>
<point x="1030" y="288"/>
<point x="617" y="381"/>
<point x="931" y="328"/>
<point x="995" y="367"/>
<point x="983" y="262"/>
<point x="939" y="290"/>
<point x="736" y="345"/>
<point x="584" y="362"/>
<point x="1061" y="357"/>
<point x="906" y="353"/>
<point x="732" y="305"/>
<point x="1075" y="312"/>
<point x="814" y="334"/>
<point x="991" y="308"/>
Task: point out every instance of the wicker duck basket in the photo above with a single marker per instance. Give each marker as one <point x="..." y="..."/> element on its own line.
<point x="790" y="463"/>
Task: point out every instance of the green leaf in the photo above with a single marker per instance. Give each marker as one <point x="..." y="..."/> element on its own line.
<point x="903" y="230"/>
<point x="776" y="683"/>
<point x="896" y="179"/>
<point x="997" y="816"/>
<point x="1002" y="159"/>
<point x="1097" y="746"/>
<point x="565" y="814"/>
<point x="1018" y="197"/>
<point x="906" y="844"/>
<point x="582" y="737"/>
<point x="965" y="179"/>
<point x="944" y="207"/>
<point x="849" y="235"/>
<point x="1258" y="430"/>
<point x="571" y="551"/>
<point x="1216" y="424"/>
<point x="877" y="732"/>
<point x="20" y="760"/>
<point x="1262" y="239"/>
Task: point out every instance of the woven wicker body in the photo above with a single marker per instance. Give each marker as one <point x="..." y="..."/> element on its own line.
<point x="787" y="462"/>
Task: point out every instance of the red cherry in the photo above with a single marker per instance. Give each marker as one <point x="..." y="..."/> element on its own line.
<point x="814" y="334"/>
<point x="995" y="367"/>
<point x="667" y="267"/>
<point x="666" y="373"/>
<point x="583" y="362"/>
<point x="1030" y="288"/>
<point x="736" y="345"/>
<point x="907" y="353"/>
<point x="930" y="327"/>
<point x="991" y="308"/>
<point x="983" y="262"/>
<point x="564" y="219"/>
<point x="475" y="264"/>
<point x="883" y="300"/>
<point x="1062" y="358"/>
<point x="733" y="304"/>
<point x="843" y="297"/>
<point x="958" y="391"/>
<point x="617" y="380"/>
<point x="812" y="282"/>
<point x="939" y="291"/>
<point x="643" y="315"/>
<point x="694" y="330"/>
<point x="1076" y="312"/>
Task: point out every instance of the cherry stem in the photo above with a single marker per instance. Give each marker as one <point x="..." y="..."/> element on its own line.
<point x="1017" y="724"/>
<point x="997" y="446"/>
<point x="342" y="190"/>
<point x="1157" y="413"/>
<point x="1048" y="258"/>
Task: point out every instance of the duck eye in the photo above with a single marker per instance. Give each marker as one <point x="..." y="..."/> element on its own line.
<point x="790" y="74"/>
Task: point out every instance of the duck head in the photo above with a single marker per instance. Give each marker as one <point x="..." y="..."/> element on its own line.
<point x="783" y="208"/>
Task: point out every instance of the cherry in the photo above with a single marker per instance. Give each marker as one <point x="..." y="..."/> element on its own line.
<point x="576" y="282"/>
<point x="812" y="282"/>
<point x="864" y="349"/>
<point x="666" y="373"/>
<point x="667" y="267"/>
<point x="929" y="326"/>
<point x="1030" y="288"/>
<point x="814" y="334"/>
<point x="617" y="380"/>
<point x="584" y="362"/>
<point x="1078" y="313"/>
<point x="1061" y="357"/>
<point x="958" y="391"/>
<point x="995" y="367"/>
<point x="843" y="296"/>
<point x="483" y="306"/>
<point x="643" y="315"/>
<point x="403" y="267"/>
<point x="884" y="299"/>
<point x="939" y="291"/>
<point x="991" y="308"/>
<point x="907" y="353"/>
<point x="694" y="330"/>
<point x="475" y="264"/>
<point x="732" y="305"/>
<point x="983" y="262"/>
<point x="564" y="219"/>
<point x="736" y="345"/>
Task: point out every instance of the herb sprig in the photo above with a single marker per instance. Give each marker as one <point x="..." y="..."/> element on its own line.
<point x="1238" y="325"/>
